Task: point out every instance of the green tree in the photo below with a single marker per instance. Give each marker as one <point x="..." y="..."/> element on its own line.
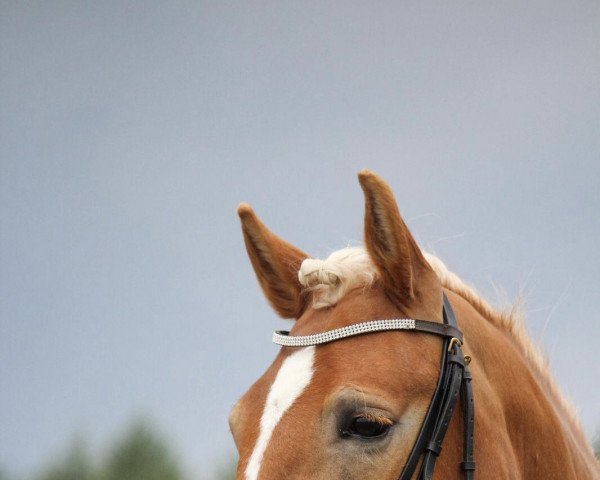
<point x="75" y="465"/>
<point x="141" y="455"/>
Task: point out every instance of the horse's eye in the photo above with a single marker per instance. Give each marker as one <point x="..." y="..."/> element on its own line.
<point x="367" y="428"/>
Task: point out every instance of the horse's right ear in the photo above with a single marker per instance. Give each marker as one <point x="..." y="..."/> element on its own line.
<point x="276" y="264"/>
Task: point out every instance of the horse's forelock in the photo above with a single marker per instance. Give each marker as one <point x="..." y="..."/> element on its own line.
<point x="330" y="279"/>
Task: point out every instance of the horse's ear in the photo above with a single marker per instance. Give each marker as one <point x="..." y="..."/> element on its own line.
<point x="276" y="264"/>
<point x="406" y="276"/>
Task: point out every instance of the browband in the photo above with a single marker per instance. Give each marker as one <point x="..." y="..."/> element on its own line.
<point x="283" y="337"/>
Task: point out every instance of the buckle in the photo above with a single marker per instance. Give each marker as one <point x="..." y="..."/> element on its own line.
<point x="454" y="341"/>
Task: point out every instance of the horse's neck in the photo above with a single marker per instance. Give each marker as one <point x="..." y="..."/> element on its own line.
<point x="521" y="431"/>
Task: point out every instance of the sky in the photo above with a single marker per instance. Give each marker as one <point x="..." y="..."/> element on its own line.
<point x="130" y="132"/>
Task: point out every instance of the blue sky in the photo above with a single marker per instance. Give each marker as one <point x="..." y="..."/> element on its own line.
<point x="129" y="133"/>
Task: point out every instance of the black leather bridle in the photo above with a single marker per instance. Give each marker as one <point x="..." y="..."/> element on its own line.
<point x="454" y="380"/>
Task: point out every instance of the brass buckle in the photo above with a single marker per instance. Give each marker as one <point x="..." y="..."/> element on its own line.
<point x="454" y="341"/>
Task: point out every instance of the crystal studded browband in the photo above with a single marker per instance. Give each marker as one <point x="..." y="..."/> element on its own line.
<point x="283" y="338"/>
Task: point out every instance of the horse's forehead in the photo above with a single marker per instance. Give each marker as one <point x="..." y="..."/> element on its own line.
<point x="358" y="305"/>
<point x="299" y="381"/>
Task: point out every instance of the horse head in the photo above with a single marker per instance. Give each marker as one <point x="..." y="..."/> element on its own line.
<point x="357" y="407"/>
<point x="348" y="409"/>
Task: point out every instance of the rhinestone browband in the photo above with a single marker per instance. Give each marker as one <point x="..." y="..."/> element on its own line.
<point x="283" y="338"/>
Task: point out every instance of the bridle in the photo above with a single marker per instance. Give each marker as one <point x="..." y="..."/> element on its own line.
<point x="454" y="378"/>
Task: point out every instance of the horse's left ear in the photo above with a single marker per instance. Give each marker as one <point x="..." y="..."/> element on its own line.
<point x="407" y="277"/>
<point x="276" y="264"/>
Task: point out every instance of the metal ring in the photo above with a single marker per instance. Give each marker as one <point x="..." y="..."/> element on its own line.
<point x="454" y="341"/>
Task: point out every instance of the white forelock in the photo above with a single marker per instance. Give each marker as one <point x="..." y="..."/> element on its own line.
<point x="330" y="279"/>
<point x="351" y="267"/>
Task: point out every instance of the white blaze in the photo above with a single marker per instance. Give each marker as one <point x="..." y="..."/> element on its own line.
<point x="293" y="377"/>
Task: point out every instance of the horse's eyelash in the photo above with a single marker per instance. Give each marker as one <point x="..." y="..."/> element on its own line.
<point x="382" y="420"/>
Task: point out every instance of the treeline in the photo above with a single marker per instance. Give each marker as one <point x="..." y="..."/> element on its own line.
<point x="140" y="454"/>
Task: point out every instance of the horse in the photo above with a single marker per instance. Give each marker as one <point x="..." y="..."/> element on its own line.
<point x="357" y="404"/>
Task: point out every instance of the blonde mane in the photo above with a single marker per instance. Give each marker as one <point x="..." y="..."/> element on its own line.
<point x="330" y="279"/>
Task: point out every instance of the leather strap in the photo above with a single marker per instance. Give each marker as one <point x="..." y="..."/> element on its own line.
<point x="450" y="400"/>
<point x="454" y="378"/>
<point x="468" y="408"/>
<point x="429" y="421"/>
<point x="441" y="329"/>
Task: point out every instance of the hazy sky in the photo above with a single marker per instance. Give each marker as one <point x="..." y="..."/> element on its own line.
<point x="130" y="131"/>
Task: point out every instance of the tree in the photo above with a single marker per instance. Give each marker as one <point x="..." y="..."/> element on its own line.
<point x="141" y="455"/>
<point x="75" y="465"/>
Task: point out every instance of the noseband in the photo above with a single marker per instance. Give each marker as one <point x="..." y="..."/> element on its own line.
<point x="454" y="378"/>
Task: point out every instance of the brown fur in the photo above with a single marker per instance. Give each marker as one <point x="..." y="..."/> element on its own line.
<point x="275" y="263"/>
<point x="521" y="431"/>
<point x="405" y="274"/>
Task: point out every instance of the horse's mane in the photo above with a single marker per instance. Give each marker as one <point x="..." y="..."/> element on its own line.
<point x="351" y="267"/>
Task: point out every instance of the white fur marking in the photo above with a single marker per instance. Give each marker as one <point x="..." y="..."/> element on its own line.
<point x="293" y="377"/>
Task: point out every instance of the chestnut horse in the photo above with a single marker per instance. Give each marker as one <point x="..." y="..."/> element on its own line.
<point x="353" y="408"/>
